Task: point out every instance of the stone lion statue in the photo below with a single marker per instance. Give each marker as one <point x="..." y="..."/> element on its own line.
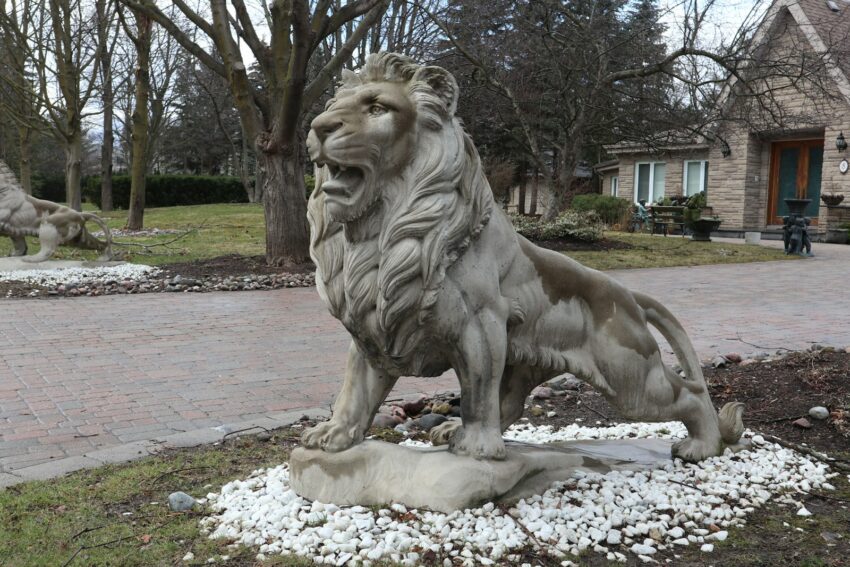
<point x="427" y="274"/>
<point x="23" y="215"/>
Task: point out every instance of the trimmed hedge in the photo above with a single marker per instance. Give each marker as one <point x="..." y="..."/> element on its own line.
<point x="610" y="209"/>
<point x="171" y="190"/>
<point x="49" y="187"/>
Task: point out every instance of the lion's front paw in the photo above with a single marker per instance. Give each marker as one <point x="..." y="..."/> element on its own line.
<point x="478" y="443"/>
<point x="331" y="436"/>
<point x="693" y="450"/>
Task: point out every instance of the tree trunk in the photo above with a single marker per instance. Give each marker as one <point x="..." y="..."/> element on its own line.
<point x="535" y="194"/>
<point x="520" y="206"/>
<point x="25" y="147"/>
<point x="106" y="157"/>
<point x="108" y="99"/>
<point x="73" y="169"/>
<point x="285" y="205"/>
<point x="141" y="124"/>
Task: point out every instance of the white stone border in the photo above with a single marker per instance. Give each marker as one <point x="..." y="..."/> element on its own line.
<point x="613" y="514"/>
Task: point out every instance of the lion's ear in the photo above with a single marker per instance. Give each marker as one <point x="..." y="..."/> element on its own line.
<point x="442" y="82"/>
<point x="350" y="79"/>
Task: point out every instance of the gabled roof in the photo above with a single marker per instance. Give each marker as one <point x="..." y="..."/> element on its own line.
<point x="679" y="139"/>
<point x="824" y="23"/>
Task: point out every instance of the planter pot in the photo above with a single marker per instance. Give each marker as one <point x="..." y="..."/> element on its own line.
<point x="797" y="206"/>
<point x="703" y="227"/>
<point x="836" y="235"/>
<point x="832" y="200"/>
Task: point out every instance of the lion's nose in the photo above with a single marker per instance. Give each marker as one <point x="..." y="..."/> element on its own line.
<point x="325" y="124"/>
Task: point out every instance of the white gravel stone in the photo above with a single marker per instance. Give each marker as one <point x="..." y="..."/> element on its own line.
<point x="648" y="513"/>
<point x="80" y="275"/>
<point x="707" y="548"/>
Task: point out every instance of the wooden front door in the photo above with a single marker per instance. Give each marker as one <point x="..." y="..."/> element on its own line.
<point x="795" y="173"/>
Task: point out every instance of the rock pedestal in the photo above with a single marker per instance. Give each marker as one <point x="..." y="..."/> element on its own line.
<point x="378" y="473"/>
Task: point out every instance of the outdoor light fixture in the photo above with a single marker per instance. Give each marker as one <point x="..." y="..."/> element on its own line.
<point x="840" y="142"/>
<point x="725" y="151"/>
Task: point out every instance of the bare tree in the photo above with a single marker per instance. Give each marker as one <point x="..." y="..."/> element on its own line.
<point x="140" y="116"/>
<point x="271" y="113"/>
<point x="105" y="19"/>
<point x="19" y="105"/>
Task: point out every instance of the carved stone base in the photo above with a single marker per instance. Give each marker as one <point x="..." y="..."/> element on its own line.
<point x="377" y="473"/>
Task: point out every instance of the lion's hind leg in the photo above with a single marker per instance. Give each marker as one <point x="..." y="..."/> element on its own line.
<point x="19" y="246"/>
<point x="49" y="240"/>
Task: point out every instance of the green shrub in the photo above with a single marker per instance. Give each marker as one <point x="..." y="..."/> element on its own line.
<point x="609" y="208"/>
<point x="171" y="190"/>
<point x="569" y="225"/>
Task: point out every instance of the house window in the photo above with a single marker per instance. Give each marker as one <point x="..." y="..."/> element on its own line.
<point x="695" y="177"/>
<point x="649" y="181"/>
<point x="615" y="185"/>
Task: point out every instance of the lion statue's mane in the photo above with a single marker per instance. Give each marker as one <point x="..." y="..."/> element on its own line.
<point x="442" y="201"/>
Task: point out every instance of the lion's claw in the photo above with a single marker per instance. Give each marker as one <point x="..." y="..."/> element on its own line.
<point x="330" y="436"/>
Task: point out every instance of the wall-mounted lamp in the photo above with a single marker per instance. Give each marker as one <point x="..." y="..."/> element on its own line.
<point x="840" y="142"/>
<point x="725" y="151"/>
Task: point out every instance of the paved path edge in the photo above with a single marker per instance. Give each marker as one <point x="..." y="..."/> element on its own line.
<point x="135" y="450"/>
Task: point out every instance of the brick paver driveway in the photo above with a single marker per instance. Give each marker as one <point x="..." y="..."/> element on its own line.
<point x="77" y="375"/>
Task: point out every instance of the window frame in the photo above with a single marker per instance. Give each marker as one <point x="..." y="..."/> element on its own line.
<point x="651" y="198"/>
<point x="615" y="185"/>
<point x="703" y="168"/>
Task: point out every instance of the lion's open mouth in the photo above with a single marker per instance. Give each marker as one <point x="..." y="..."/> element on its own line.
<point x="342" y="179"/>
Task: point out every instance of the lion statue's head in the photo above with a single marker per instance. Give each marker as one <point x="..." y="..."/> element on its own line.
<point x="399" y="176"/>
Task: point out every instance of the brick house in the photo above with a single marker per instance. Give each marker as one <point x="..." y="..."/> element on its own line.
<point x="748" y="169"/>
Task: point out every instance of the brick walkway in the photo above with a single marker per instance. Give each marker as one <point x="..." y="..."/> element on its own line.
<point x="81" y="375"/>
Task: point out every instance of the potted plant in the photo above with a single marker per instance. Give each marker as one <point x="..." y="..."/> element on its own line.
<point x="698" y="218"/>
<point x="832" y="199"/>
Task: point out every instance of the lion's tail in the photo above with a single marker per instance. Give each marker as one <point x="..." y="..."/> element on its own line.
<point x="107" y="253"/>
<point x="730" y="416"/>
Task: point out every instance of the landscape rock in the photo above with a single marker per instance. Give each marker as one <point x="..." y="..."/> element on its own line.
<point x="733" y="357"/>
<point x="819" y="412"/>
<point x="384" y="421"/>
<point x="180" y="501"/>
<point x="542" y="393"/>
<point x="803" y="423"/>
<point x="565" y="382"/>
<point x="429" y="421"/>
<point x="719" y="362"/>
<point x="442" y="409"/>
<point x="415" y="406"/>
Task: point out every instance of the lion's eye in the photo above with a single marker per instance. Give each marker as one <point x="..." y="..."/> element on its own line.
<point x="377" y="110"/>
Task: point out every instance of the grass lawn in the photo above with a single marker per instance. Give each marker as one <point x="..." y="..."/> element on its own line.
<point x="656" y="251"/>
<point x="211" y="230"/>
<point x="217" y="230"/>
<point x="119" y="514"/>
